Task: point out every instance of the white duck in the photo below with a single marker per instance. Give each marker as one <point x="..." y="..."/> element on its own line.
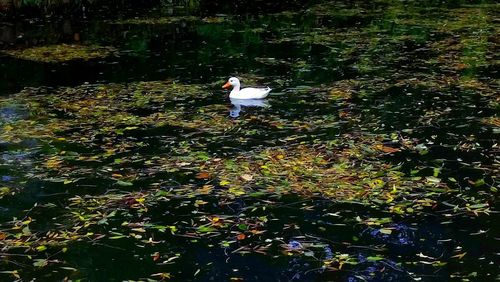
<point x="245" y="93"/>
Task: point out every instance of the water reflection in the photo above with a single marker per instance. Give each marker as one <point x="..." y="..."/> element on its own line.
<point x="239" y="104"/>
<point x="10" y="113"/>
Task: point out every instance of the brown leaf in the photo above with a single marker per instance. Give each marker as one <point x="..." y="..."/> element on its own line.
<point x="386" y="149"/>
<point x="156" y="256"/>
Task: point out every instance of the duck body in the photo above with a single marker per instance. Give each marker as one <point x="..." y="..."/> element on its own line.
<point x="245" y="93"/>
<point x="249" y="93"/>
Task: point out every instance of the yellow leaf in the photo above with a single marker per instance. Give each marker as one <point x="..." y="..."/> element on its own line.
<point x="394" y="190"/>
<point x="389" y="199"/>
<point x="7" y="128"/>
<point x="385" y="231"/>
<point x="198" y="203"/>
<point x="53" y="162"/>
<point x="460" y="256"/>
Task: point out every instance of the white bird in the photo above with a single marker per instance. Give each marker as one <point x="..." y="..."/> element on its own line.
<point x="245" y="93"/>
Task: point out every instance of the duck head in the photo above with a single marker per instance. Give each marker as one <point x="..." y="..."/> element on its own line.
<point x="233" y="81"/>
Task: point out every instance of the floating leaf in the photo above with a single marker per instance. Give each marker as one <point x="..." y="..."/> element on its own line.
<point x="40" y="263"/>
<point x="203" y="175"/>
<point x="246" y="177"/>
<point x="206" y="229"/>
<point x="385" y="231"/>
<point x="374" y="258"/>
<point x="124" y="183"/>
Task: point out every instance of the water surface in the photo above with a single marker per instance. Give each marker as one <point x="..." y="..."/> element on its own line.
<point x="374" y="159"/>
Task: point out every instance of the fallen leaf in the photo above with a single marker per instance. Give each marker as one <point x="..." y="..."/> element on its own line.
<point x="246" y="177"/>
<point x="156" y="256"/>
<point x="203" y="175"/>
<point x="386" y="149"/>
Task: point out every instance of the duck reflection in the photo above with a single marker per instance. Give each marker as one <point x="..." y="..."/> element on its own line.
<point x="238" y="104"/>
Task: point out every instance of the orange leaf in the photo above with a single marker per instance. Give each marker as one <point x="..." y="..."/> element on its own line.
<point x="241" y="236"/>
<point x="461" y="66"/>
<point x="203" y="175"/>
<point x="255" y="231"/>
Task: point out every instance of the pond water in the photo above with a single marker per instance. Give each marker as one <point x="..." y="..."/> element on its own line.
<point x="375" y="158"/>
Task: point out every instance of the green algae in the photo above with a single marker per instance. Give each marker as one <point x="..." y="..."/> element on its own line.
<point x="161" y="20"/>
<point x="62" y="53"/>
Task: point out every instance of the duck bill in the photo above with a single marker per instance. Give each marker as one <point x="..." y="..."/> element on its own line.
<point x="227" y="85"/>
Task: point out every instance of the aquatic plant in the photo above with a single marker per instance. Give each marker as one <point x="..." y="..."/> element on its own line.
<point x="61" y="53"/>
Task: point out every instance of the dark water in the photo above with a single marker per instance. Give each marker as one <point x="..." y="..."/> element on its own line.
<point x="374" y="159"/>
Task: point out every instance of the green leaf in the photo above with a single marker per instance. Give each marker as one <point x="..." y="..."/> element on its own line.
<point x="40" y="262"/>
<point x="479" y="182"/>
<point x="124" y="183"/>
<point x="206" y="229"/>
<point x="436" y="172"/>
<point x="257" y="194"/>
<point x="225" y="244"/>
<point x="26" y="231"/>
<point x="374" y="258"/>
<point x="103" y="221"/>
<point x="309" y="254"/>
<point x="478" y="206"/>
<point x="433" y="179"/>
